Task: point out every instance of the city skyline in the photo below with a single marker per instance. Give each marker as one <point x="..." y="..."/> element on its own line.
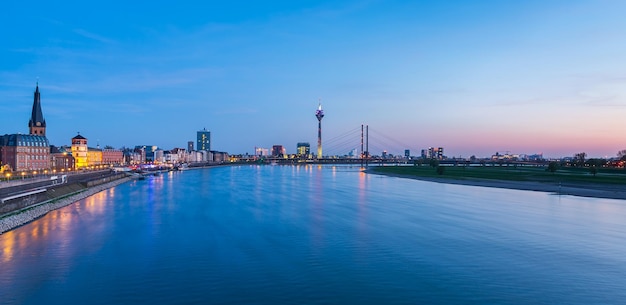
<point x="475" y="78"/>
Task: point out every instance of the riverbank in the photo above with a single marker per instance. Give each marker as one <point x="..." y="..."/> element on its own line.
<point x="595" y="190"/>
<point x="29" y="214"/>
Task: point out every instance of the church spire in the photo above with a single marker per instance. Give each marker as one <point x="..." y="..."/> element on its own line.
<point x="37" y="124"/>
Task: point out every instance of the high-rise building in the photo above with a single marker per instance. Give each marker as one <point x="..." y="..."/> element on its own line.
<point x="204" y="140"/>
<point x="433" y="153"/>
<point x="407" y="153"/>
<point x="190" y="146"/>
<point x="278" y="151"/>
<point x="319" y="114"/>
<point x="259" y="151"/>
<point x="303" y="149"/>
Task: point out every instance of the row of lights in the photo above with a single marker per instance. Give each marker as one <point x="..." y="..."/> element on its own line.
<point x="54" y="171"/>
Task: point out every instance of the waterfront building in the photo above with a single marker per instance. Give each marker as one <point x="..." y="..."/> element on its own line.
<point x="147" y="152"/>
<point x="303" y="150"/>
<point x="219" y="156"/>
<point x="204" y="140"/>
<point x="94" y="156"/>
<point x="80" y="151"/>
<point x="28" y="152"/>
<point x="112" y="156"/>
<point x="319" y="114"/>
<point x="258" y="151"/>
<point x="175" y="155"/>
<point x="159" y="156"/>
<point x="196" y="156"/>
<point x="278" y="151"/>
<point x="133" y="156"/>
<point x="190" y="146"/>
<point x="61" y="158"/>
<point x="25" y="152"/>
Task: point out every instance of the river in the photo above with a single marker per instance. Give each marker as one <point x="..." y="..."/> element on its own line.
<point x="317" y="235"/>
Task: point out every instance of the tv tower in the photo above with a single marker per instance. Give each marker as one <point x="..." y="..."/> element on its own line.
<point x="319" y="114"/>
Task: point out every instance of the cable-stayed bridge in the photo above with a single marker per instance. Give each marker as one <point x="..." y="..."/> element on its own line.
<point x="359" y="145"/>
<point x="364" y="141"/>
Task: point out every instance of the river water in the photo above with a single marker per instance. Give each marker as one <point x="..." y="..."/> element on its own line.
<point x="317" y="235"/>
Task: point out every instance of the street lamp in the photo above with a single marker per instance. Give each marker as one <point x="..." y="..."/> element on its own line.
<point x="23" y="173"/>
<point x="8" y="176"/>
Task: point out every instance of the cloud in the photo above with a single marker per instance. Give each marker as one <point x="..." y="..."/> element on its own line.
<point x="93" y="36"/>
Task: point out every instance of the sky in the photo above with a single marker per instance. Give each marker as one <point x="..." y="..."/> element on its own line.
<point x="474" y="77"/>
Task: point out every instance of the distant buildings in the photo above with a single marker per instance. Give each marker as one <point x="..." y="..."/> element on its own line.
<point x="433" y="153"/>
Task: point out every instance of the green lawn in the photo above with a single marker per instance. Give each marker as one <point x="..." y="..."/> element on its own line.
<point x="510" y="173"/>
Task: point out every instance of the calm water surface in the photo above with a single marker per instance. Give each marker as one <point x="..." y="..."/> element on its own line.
<point x="317" y="235"/>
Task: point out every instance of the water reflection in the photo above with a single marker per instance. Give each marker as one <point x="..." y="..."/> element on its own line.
<point x="59" y="222"/>
<point x="316" y="234"/>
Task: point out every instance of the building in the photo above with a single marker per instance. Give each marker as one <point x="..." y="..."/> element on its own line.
<point x="61" y="159"/>
<point x="278" y="151"/>
<point x="80" y="151"/>
<point x="303" y="150"/>
<point x="28" y="152"/>
<point x="407" y="154"/>
<point x="94" y="156"/>
<point x="176" y="155"/>
<point x="433" y="153"/>
<point x="219" y="156"/>
<point x="258" y="151"/>
<point x="25" y="152"/>
<point x="112" y="157"/>
<point x="134" y="156"/>
<point x="203" y="140"/>
<point x="190" y="146"/>
<point x="147" y="152"/>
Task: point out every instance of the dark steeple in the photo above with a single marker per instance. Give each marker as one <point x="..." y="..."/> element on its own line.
<point x="37" y="124"/>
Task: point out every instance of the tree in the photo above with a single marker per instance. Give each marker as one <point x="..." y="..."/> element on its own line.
<point x="440" y="169"/>
<point x="579" y="158"/>
<point x="593" y="170"/>
<point x="553" y="166"/>
<point x="622" y="154"/>
<point x="434" y="162"/>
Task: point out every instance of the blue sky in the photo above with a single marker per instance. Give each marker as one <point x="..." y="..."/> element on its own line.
<point x="474" y="77"/>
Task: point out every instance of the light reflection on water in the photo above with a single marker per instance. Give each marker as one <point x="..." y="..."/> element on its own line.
<point x="313" y="234"/>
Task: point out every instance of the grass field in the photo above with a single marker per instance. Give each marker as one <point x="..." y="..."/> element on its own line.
<point x="574" y="176"/>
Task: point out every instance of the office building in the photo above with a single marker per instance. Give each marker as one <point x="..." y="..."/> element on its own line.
<point x="203" y="140"/>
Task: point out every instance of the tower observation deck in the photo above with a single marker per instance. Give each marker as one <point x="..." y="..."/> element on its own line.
<point x="319" y="114"/>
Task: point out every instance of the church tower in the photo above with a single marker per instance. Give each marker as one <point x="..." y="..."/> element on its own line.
<point x="37" y="124"/>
